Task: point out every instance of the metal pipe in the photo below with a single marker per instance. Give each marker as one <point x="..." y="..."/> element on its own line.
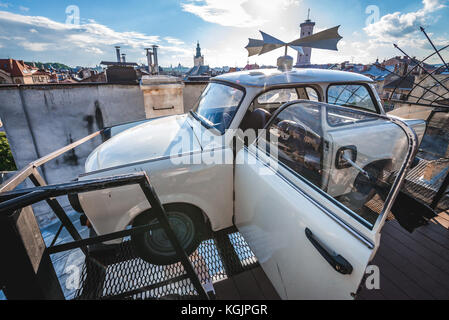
<point x="434" y="48"/>
<point x="149" y="60"/>
<point x="426" y="58"/>
<point x="156" y="61"/>
<point x="422" y="68"/>
<point x="402" y="79"/>
<point x="119" y="59"/>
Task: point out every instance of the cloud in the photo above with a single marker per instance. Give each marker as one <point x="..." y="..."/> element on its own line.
<point x="94" y="50"/>
<point x="236" y="13"/>
<point x="397" y="25"/>
<point x="35" y="46"/>
<point x="174" y="41"/>
<point x="228" y="13"/>
<point x="24" y="9"/>
<point x="401" y="28"/>
<point x="43" y="38"/>
<point x="5" y="5"/>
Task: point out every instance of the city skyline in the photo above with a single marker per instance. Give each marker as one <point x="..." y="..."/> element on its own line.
<point x="47" y="31"/>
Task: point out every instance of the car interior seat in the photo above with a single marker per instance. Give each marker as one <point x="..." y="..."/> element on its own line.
<point x="256" y="120"/>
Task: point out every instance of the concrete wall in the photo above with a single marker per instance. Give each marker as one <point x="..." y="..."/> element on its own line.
<point x="192" y="91"/>
<point x="40" y="119"/>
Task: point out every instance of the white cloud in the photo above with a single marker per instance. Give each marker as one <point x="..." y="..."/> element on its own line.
<point x="24" y="9"/>
<point x="35" y="46"/>
<point x="228" y="13"/>
<point x="94" y="50"/>
<point x="237" y="13"/>
<point x="397" y="25"/>
<point x="174" y="41"/>
<point x="55" y="40"/>
<point x="401" y="28"/>
<point x="5" y="5"/>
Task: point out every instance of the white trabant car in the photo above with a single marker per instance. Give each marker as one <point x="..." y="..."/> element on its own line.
<point x="308" y="180"/>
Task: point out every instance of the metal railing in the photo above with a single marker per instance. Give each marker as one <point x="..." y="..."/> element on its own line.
<point x="12" y="201"/>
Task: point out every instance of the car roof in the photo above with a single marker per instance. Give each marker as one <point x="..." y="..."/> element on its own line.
<point x="271" y="77"/>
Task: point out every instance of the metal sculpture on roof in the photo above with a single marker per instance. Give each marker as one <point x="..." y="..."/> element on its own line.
<point x="327" y="39"/>
<point x="430" y="96"/>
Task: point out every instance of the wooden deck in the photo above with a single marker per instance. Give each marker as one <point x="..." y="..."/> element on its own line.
<point x="412" y="266"/>
<point x="251" y="285"/>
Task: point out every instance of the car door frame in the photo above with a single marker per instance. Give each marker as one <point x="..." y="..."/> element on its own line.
<point x="368" y="237"/>
<point x="413" y="144"/>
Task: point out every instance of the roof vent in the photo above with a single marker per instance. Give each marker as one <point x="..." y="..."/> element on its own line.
<point x="285" y="63"/>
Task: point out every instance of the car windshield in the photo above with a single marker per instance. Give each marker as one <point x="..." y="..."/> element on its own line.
<point x="217" y="106"/>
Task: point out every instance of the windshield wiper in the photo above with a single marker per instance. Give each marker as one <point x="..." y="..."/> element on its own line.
<point x="208" y="124"/>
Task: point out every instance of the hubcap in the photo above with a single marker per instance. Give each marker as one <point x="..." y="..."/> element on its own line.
<point x="183" y="227"/>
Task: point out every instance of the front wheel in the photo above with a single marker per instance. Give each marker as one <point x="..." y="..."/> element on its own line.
<point x="155" y="247"/>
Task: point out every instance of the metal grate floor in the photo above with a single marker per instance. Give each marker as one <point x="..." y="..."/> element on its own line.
<point x="120" y="274"/>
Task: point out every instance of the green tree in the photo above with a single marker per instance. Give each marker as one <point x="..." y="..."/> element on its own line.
<point x="6" y="159"/>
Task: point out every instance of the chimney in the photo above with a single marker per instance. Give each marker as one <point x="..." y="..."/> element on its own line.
<point x="156" y="63"/>
<point x="119" y="59"/>
<point x="150" y="60"/>
<point x="123" y="58"/>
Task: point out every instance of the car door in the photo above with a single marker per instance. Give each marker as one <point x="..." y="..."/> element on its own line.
<point x="309" y="243"/>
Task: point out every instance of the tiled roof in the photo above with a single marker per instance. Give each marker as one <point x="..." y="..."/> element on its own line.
<point x="401" y="83"/>
<point x="377" y="73"/>
<point x="198" y="71"/>
<point x="17" y="68"/>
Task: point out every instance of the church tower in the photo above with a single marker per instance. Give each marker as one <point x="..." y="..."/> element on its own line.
<point x="306" y="30"/>
<point x="198" y="59"/>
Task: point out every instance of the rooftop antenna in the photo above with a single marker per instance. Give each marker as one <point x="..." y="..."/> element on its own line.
<point x="308" y="15"/>
<point x="327" y="39"/>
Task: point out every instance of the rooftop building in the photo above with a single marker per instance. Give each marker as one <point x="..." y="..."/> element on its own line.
<point x="18" y="72"/>
<point x="199" y="72"/>
<point x="306" y="31"/>
<point x="198" y="60"/>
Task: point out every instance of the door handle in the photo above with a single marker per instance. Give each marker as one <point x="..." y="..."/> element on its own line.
<point x="339" y="263"/>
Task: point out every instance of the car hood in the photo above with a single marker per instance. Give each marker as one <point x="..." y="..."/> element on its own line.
<point x="163" y="137"/>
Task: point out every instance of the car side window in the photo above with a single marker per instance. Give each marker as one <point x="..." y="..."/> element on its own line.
<point x="352" y="163"/>
<point x="351" y="95"/>
<point x="298" y="131"/>
<point x="312" y="94"/>
<point x="279" y="96"/>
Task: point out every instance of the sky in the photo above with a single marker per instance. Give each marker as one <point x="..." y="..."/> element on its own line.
<point x="85" y="32"/>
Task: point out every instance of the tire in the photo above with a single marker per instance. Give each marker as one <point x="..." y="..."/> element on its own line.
<point x="154" y="246"/>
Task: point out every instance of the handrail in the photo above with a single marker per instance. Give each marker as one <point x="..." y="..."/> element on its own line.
<point x="12" y="200"/>
<point x="23" y="174"/>
<point x="18" y="199"/>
